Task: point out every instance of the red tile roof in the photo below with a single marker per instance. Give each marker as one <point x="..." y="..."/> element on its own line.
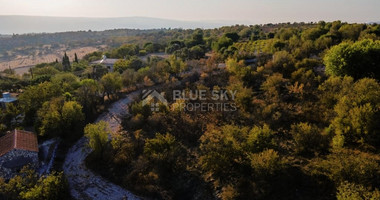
<point x="18" y="139"/>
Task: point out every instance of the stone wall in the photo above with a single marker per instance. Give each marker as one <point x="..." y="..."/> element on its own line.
<point x="13" y="161"/>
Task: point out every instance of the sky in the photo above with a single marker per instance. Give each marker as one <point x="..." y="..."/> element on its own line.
<point x="237" y="11"/>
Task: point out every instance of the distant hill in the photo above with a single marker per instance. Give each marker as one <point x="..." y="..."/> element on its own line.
<point x="39" y="24"/>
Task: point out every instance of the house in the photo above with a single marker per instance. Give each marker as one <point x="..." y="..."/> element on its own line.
<point x="7" y="99"/>
<point x="108" y="62"/>
<point x="17" y="149"/>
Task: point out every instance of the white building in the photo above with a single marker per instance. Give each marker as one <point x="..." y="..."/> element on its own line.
<point x="108" y="62"/>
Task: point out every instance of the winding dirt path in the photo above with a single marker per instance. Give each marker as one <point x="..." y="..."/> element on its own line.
<point x="85" y="184"/>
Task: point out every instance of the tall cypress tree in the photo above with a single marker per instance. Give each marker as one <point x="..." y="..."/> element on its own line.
<point x="76" y="58"/>
<point x="66" y="63"/>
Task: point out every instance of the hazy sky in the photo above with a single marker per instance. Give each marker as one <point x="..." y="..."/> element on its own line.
<point x="239" y="11"/>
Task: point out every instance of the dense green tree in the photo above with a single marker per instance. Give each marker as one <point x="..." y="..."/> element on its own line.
<point x="246" y="33"/>
<point x="49" y="118"/>
<point x="357" y="114"/>
<point x="67" y="81"/>
<point x="359" y="59"/>
<point x="66" y="63"/>
<point x="131" y="63"/>
<point x="80" y="66"/>
<point x="283" y="62"/>
<point x="53" y="186"/>
<point x="98" y="71"/>
<point x="222" y="43"/>
<point x="176" y="65"/>
<point x="174" y="46"/>
<point x="163" y="149"/>
<point x="149" y="47"/>
<point x="309" y="139"/>
<point x="97" y="135"/>
<point x="72" y="118"/>
<point x="351" y="31"/>
<point x="88" y="95"/>
<point x="125" y="50"/>
<point x="313" y="33"/>
<point x="34" y="96"/>
<point x="121" y="65"/>
<point x="27" y="185"/>
<point x="348" y="165"/>
<point x="11" y="116"/>
<point x="48" y="70"/>
<point x="222" y="149"/>
<point x="232" y="35"/>
<point x="196" y="39"/>
<point x="60" y="118"/>
<point x="285" y="33"/>
<point x="97" y="55"/>
<point x="266" y="163"/>
<point x="76" y="58"/>
<point x="111" y="83"/>
<point x="129" y="77"/>
<point x="352" y="191"/>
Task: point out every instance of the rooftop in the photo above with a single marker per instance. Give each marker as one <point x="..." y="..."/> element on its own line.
<point x="105" y="61"/>
<point x="18" y="139"/>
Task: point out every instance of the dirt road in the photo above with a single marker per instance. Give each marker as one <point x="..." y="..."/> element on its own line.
<point x="85" y="184"/>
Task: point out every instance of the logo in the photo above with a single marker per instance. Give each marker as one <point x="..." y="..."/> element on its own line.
<point x="153" y="98"/>
<point x="205" y="101"/>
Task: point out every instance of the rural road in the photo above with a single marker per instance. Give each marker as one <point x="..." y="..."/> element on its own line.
<point x="85" y="184"/>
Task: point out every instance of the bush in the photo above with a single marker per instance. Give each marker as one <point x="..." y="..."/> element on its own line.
<point x="349" y="165"/>
<point x="260" y="138"/>
<point x="266" y="163"/>
<point x="222" y="149"/>
<point x="351" y="191"/>
<point x="27" y="185"/>
<point x="162" y="147"/>
<point x="308" y="139"/>
<point x="98" y="136"/>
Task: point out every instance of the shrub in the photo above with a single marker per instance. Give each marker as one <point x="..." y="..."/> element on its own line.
<point x="260" y="138"/>
<point x="351" y="191"/>
<point x="308" y="139"/>
<point x="98" y="136"/>
<point x="349" y="165"/>
<point x="266" y="163"/>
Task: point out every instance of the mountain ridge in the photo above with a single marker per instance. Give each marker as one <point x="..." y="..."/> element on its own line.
<point x="20" y="24"/>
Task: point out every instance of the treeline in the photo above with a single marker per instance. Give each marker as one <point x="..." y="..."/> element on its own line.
<point x="117" y="37"/>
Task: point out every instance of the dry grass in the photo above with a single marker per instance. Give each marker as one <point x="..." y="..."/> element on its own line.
<point x="30" y="60"/>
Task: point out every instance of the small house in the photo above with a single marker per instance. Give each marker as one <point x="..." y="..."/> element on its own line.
<point x="108" y="62"/>
<point x="17" y="149"/>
